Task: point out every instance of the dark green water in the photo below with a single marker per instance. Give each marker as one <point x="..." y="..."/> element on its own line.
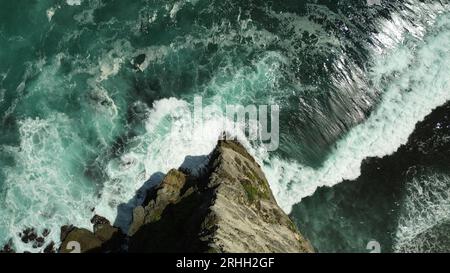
<point x="86" y="120"/>
<point x="401" y="200"/>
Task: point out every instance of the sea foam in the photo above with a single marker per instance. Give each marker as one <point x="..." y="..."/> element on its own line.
<point x="414" y="79"/>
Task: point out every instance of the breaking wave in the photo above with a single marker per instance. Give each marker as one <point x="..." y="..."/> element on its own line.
<point x="89" y="124"/>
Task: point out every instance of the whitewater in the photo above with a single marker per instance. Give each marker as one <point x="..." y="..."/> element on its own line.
<point x="84" y="132"/>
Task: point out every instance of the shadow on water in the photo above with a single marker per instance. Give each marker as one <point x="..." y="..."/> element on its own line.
<point x="125" y="210"/>
<point x="192" y="165"/>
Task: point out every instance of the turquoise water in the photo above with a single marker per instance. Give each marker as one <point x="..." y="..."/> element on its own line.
<point x="85" y="121"/>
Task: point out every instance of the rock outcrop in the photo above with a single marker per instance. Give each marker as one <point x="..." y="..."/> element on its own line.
<point x="230" y="208"/>
<point x="105" y="238"/>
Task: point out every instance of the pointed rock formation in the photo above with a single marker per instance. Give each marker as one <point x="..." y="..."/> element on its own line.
<point x="230" y="208"/>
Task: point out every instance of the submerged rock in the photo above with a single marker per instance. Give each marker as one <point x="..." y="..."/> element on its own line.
<point x="50" y="248"/>
<point x="28" y="235"/>
<point x="138" y="61"/>
<point x="7" y="248"/>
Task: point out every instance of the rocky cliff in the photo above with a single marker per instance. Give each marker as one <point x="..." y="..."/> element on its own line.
<point x="230" y="208"/>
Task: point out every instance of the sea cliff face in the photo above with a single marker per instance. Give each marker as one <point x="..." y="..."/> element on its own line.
<point x="230" y="208"/>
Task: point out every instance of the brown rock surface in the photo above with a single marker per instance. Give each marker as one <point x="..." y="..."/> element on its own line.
<point x="229" y="208"/>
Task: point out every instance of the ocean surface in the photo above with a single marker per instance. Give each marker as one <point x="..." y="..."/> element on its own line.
<point x="95" y="97"/>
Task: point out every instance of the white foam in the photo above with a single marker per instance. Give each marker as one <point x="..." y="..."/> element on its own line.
<point x="42" y="186"/>
<point x="165" y="144"/>
<point x="171" y="135"/>
<point x="425" y="205"/>
<point x="169" y="139"/>
<point x="175" y="8"/>
<point x="51" y="12"/>
<point x="109" y="67"/>
<point x="420" y="83"/>
<point x="73" y="2"/>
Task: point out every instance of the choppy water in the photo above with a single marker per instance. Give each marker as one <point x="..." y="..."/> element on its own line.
<point x="82" y="128"/>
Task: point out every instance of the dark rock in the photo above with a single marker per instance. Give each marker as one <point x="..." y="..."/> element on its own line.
<point x="50" y="248"/>
<point x="83" y="238"/>
<point x="39" y="242"/>
<point x="138" y="220"/>
<point x="105" y="237"/>
<point x="28" y="235"/>
<point x="138" y="61"/>
<point x="112" y="238"/>
<point x="7" y="248"/>
<point x="65" y="230"/>
<point x="105" y="232"/>
<point x="45" y="233"/>
<point x="228" y="209"/>
<point x="99" y="220"/>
